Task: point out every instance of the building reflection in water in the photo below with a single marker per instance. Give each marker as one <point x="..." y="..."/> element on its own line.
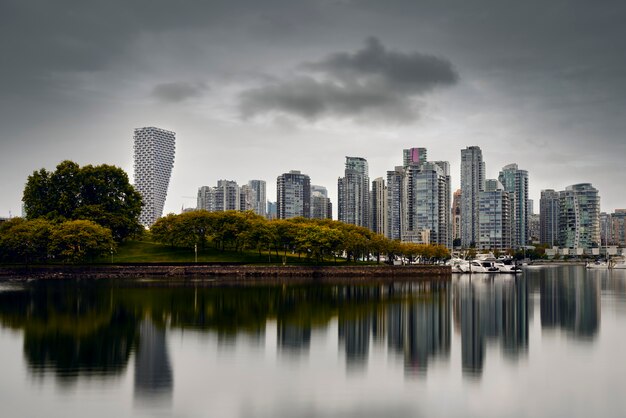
<point x="73" y="331"/>
<point x="293" y="338"/>
<point x="414" y="321"/>
<point x="488" y="308"/>
<point x="570" y="300"/>
<point x="153" y="372"/>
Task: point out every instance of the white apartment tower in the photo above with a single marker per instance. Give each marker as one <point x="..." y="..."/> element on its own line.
<point x="153" y="162"/>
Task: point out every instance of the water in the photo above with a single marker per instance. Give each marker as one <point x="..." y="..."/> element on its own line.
<point x="548" y="343"/>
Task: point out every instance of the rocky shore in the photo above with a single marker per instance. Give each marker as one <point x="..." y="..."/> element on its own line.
<point x="225" y="273"/>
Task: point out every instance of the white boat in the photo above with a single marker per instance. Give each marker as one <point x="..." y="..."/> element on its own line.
<point x="619" y="265"/>
<point x="483" y="266"/>
<point x="458" y="265"/>
<point x="508" y="265"/>
<point x="599" y="265"/>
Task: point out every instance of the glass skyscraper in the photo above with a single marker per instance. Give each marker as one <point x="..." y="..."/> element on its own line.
<point x="293" y="195"/>
<point x="515" y="182"/>
<point x="353" y="204"/>
<point x="472" y="183"/>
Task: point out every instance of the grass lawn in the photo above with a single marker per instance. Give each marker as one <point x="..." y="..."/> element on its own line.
<point x="150" y="252"/>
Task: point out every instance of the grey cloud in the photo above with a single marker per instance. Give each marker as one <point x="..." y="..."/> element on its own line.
<point x="374" y="82"/>
<point x="415" y="72"/>
<point x="312" y="99"/>
<point x="178" y="91"/>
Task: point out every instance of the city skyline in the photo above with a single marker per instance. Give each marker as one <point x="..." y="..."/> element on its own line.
<point x="449" y="75"/>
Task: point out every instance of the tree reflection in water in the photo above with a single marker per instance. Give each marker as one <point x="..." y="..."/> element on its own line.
<point x="74" y="329"/>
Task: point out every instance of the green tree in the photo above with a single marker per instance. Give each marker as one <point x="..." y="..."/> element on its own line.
<point x="26" y="241"/>
<point x="101" y="194"/>
<point x="165" y="230"/>
<point x="80" y="240"/>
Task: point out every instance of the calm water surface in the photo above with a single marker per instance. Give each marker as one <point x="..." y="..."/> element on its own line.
<point x="551" y="342"/>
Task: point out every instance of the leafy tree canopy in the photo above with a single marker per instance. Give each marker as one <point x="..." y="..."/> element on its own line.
<point x="101" y="194"/>
<point x="80" y="240"/>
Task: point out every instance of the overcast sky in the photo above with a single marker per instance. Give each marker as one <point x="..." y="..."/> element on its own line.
<point x="257" y="88"/>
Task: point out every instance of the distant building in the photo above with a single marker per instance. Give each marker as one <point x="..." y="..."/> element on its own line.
<point x="321" y="207"/>
<point x="353" y="193"/>
<point x="293" y="195"/>
<point x="225" y="196"/>
<point x="414" y="156"/>
<point x="271" y="210"/>
<point x="515" y="182"/>
<point x="378" y="202"/>
<point x="549" y="217"/>
<point x="472" y="183"/>
<point x="428" y="204"/>
<point x="579" y="217"/>
<point x="258" y="199"/>
<point x="245" y="198"/>
<point x="617" y="228"/>
<point x="530" y="207"/>
<point x="534" y="228"/>
<point x="418" y="200"/>
<point x="456" y="216"/>
<point x="153" y="162"/>
<point x="319" y="189"/>
<point x="206" y="198"/>
<point x="494" y="217"/>
<point x="396" y="203"/>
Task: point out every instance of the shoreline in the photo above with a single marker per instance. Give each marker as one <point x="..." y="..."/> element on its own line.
<point x="227" y="273"/>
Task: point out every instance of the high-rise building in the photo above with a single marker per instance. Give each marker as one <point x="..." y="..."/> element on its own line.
<point x="206" y="198"/>
<point x="534" y="228"/>
<point x="245" y="198"/>
<point x="227" y="195"/>
<point x="353" y="193"/>
<point x="378" y="202"/>
<point x="515" y="182"/>
<point x="456" y="216"/>
<point x="293" y="195"/>
<point x="494" y="217"/>
<point x="258" y="197"/>
<point x="428" y="205"/>
<point x="472" y="183"/>
<point x="617" y="232"/>
<point x="549" y="217"/>
<point x="153" y="162"/>
<point x="321" y="207"/>
<point x="414" y="156"/>
<point x="396" y="203"/>
<point x="530" y="208"/>
<point x="271" y="210"/>
<point x="579" y="217"/>
<point x="319" y="190"/>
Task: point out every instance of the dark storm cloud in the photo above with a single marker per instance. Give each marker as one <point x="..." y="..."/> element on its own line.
<point x="374" y="81"/>
<point x="178" y="91"/>
<point x="413" y="72"/>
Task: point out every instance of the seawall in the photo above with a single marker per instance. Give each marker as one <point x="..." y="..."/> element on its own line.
<point x="226" y="273"/>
